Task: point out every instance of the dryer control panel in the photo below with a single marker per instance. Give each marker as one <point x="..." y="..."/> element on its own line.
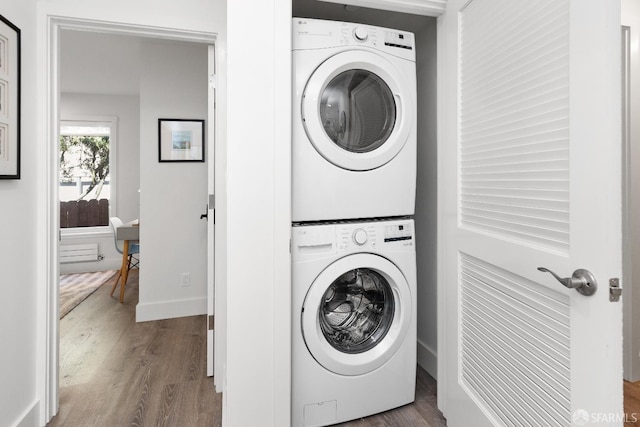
<point x="317" y="34"/>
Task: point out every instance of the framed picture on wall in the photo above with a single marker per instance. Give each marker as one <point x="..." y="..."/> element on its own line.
<point x="9" y="100"/>
<point x="180" y="140"/>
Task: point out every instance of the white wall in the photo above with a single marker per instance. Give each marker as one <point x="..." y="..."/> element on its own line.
<point x="193" y="15"/>
<point x="173" y="84"/>
<point x="126" y="108"/>
<point x="99" y="63"/>
<point x="19" y="314"/>
<point x="259" y="214"/>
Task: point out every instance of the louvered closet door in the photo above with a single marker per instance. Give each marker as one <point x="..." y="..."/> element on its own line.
<point x="531" y="171"/>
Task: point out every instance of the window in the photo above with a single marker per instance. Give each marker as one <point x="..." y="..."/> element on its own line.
<point x="86" y="173"/>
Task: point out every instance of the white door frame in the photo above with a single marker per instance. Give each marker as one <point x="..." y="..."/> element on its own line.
<point x="627" y="291"/>
<point x="211" y="212"/>
<point x="48" y="270"/>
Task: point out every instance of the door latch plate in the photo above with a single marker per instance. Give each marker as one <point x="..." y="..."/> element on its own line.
<point x="614" y="290"/>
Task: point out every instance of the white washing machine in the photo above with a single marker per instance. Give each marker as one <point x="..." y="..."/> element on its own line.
<point x="354" y="320"/>
<point x="354" y="121"/>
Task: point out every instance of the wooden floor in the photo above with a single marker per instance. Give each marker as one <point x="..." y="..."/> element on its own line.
<point x="632" y="403"/>
<point x="116" y="372"/>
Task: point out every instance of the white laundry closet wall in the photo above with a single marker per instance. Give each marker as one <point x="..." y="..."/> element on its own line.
<point x="426" y="196"/>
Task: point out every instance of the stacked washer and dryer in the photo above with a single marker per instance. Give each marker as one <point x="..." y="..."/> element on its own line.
<point x="353" y="240"/>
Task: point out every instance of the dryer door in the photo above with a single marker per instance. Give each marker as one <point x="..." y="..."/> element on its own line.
<point x="356" y="314"/>
<point x="357" y="110"/>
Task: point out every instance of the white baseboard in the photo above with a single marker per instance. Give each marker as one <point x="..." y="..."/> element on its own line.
<point x="170" y="309"/>
<point x="29" y="417"/>
<point x="428" y="359"/>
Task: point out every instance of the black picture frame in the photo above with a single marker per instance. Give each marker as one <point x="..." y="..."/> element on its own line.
<point x="181" y="140"/>
<point x="10" y="86"/>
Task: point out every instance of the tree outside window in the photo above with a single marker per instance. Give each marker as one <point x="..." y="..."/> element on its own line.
<point x="86" y="158"/>
<point x="85" y="187"/>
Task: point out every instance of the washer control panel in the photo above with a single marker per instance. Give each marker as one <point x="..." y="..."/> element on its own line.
<point x="360" y="237"/>
<point x="317" y="240"/>
<point x="360" y="33"/>
<point x="398" y="232"/>
<point x="376" y="234"/>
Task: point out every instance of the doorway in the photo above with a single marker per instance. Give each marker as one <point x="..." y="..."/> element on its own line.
<point x="129" y="202"/>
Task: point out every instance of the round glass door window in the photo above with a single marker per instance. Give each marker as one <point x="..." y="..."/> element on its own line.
<point x="356" y="311"/>
<point x="358" y="111"/>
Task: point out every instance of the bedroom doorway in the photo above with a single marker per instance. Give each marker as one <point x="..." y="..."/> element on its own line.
<point x="61" y="27"/>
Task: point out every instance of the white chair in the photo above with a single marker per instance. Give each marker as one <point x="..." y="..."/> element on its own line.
<point x="128" y="262"/>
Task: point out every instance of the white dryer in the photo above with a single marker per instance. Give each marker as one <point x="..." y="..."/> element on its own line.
<point x="354" y="121"/>
<point x="354" y="320"/>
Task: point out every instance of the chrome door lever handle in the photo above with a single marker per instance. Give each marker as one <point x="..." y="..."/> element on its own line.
<point x="569" y="282"/>
<point x="581" y="280"/>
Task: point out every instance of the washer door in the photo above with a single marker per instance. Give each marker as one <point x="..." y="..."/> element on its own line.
<point x="356" y="314"/>
<point x="354" y="110"/>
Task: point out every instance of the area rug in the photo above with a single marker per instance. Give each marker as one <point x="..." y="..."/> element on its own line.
<point x="75" y="288"/>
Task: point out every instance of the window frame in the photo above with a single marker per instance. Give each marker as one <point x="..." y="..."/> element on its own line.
<point x="94" y="121"/>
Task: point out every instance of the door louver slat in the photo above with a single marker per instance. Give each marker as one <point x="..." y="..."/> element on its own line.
<point x="515" y="338"/>
<point x="514" y="126"/>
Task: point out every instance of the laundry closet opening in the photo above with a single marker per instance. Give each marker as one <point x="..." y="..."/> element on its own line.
<point x="425" y="216"/>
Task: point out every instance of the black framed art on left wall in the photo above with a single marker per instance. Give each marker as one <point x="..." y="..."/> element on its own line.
<point x="9" y="100"/>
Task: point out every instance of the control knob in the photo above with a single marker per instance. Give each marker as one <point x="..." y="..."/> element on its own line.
<point x="360" y="34"/>
<point x="360" y="237"/>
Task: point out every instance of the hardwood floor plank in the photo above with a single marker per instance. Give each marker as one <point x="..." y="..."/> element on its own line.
<point x="427" y="399"/>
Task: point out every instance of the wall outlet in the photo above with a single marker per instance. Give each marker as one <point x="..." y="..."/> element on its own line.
<point x="185" y="279"/>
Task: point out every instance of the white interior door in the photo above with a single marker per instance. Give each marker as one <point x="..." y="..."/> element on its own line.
<point x="211" y="209"/>
<point x="530" y="163"/>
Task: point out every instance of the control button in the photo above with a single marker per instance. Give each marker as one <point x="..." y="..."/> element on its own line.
<point x="359" y="237"/>
<point x="360" y="33"/>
